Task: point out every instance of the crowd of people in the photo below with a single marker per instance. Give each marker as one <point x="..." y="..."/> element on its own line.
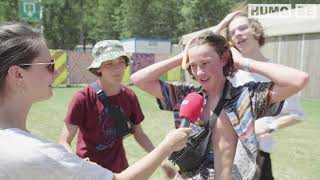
<point x="256" y="102"/>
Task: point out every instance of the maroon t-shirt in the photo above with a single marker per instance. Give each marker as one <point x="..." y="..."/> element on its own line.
<point x="97" y="137"/>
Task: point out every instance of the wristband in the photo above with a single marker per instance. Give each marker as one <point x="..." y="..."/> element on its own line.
<point x="245" y="65"/>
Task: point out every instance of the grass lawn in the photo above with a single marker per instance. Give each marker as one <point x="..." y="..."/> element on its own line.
<point x="295" y="156"/>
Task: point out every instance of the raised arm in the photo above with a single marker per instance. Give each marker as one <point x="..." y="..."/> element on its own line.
<point x="147" y="78"/>
<point x="226" y="21"/>
<point x="287" y="81"/>
<point x="222" y="24"/>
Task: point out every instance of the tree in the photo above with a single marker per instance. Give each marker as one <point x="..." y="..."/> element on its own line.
<point x="165" y="18"/>
<point x="200" y="14"/>
<point x="101" y="20"/>
<point x="62" y="23"/>
<point x="9" y="10"/>
<point x="132" y="19"/>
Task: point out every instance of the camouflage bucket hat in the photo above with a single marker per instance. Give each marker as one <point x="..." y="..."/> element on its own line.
<point x="106" y="50"/>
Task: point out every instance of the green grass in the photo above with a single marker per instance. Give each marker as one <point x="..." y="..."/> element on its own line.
<point x="296" y="155"/>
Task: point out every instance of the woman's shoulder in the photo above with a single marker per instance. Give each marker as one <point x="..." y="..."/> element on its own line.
<point x="21" y="138"/>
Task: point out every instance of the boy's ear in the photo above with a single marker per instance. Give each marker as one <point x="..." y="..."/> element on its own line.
<point x="226" y="56"/>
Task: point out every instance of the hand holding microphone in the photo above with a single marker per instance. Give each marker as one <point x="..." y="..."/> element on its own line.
<point x="188" y="157"/>
<point x="190" y="111"/>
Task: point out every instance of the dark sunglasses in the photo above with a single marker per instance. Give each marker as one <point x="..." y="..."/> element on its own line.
<point x="50" y="65"/>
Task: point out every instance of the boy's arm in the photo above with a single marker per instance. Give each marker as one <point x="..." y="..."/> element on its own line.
<point x="147" y="78"/>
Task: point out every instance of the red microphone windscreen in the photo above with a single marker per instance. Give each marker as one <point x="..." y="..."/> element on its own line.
<point x="191" y="107"/>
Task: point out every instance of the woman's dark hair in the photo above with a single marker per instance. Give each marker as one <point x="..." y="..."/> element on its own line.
<point x="19" y="44"/>
<point x="220" y="44"/>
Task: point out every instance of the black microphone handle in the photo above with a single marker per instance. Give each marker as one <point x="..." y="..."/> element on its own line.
<point x="184" y="123"/>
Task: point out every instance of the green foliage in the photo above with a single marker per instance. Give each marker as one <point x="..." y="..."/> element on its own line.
<point x="165" y="17"/>
<point x="70" y="22"/>
<point x="134" y="19"/>
<point x="200" y="14"/>
<point x="100" y="20"/>
<point x="9" y="10"/>
<point x="61" y="23"/>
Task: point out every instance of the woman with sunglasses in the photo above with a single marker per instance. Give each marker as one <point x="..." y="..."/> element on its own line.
<point x="26" y="76"/>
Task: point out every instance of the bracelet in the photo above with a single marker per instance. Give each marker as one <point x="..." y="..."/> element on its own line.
<point x="245" y="65"/>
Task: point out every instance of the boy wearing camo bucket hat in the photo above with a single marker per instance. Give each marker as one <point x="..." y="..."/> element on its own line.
<point x="98" y="140"/>
<point x="106" y="51"/>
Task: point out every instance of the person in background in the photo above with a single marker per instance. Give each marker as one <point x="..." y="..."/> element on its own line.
<point x="248" y="37"/>
<point x="210" y="60"/>
<point x="98" y="138"/>
<point x="27" y="72"/>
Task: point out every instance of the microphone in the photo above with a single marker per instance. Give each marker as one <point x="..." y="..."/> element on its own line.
<point x="190" y="109"/>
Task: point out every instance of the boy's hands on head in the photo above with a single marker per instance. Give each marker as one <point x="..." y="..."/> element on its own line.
<point x="239" y="61"/>
<point x="229" y="17"/>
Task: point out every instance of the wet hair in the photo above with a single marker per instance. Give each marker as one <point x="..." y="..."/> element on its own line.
<point x="255" y="25"/>
<point x="220" y="44"/>
<point x="19" y="44"/>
